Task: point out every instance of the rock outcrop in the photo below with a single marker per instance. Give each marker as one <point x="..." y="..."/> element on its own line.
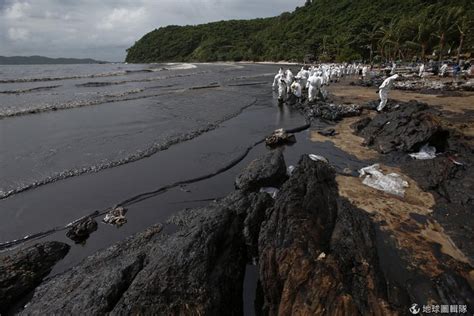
<point x="406" y="128"/>
<point x="198" y="270"/>
<point x="329" y="111"/>
<point x="79" y="232"/>
<point x="317" y="252"/>
<point x="268" y="170"/>
<point x="22" y="271"/>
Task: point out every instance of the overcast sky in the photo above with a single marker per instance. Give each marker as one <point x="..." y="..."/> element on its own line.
<point x="103" y="29"/>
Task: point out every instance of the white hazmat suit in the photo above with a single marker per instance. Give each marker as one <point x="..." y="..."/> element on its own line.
<point x="383" y="91"/>
<point x="289" y="78"/>
<point x="422" y="70"/>
<point x="443" y="70"/>
<point x="394" y="68"/>
<point x="277" y="78"/>
<point x="365" y="70"/>
<point x="282" y="90"/>
<point x="296" y="89"/>
<point x="314" y="85"/>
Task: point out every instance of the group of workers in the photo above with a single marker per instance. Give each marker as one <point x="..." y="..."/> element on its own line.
<point x="313" y="78"/>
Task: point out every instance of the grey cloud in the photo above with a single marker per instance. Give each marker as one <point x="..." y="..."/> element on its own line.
<point x="104" y="29"/>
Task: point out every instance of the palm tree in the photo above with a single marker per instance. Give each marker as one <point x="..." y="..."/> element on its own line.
<point x="464" y="25"/>
<point x="390" y="41"/>
<point x="425" y="31"/>
<point x="371" y="36"/>
<point x="339" y="42"/>
<point x="446" y="22"/>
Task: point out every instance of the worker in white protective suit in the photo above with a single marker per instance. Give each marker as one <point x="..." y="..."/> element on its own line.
<point x="365" y="70"/>
<point x="384" y="89"/>
<point x="303" y="75"/>
<point x="277" y="78"/>
<point x="314" y="86"/>
<point x="325" y="77"/>
<point x="394" y="68"/>
<point x="422" y="71"/>
<point x="289" y="78"/>
<point x="296" y="88"/>
<point x="443" y="69"/>
<point x="282" y="90"/>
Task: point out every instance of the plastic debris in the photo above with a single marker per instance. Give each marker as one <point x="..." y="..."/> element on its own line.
<point x="391" y="183"/>
<point x="290" y="170"/>
<point x="280" y="137"/>
<point x="116" y="217"/>
<point x="426" y="152"/>
<point x="318" y="158"/>
<point x="454" y="161"/>
<point x="269" y="190"/>
<point x="321" y="256"/>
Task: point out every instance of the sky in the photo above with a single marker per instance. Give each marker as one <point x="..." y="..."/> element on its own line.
<point x="103" y="29"/>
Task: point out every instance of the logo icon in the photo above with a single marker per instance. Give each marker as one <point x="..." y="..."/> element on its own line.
<point x="414" y="309"/>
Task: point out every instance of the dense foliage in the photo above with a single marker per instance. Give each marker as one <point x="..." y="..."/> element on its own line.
<point x="326" y="30"/>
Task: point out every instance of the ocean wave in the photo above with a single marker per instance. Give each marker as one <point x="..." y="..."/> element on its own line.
<point x="141" y="154"/>
<point x="169" y="66"/>
<point x="36" y="89"/>
<point x="8" y="113"/>
<point x="180" y="66"/>
<point x="35" y="109"/>
<point x="100" y="75"/>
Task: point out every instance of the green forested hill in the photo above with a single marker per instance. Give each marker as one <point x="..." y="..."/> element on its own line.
<point x="324" y="29"/>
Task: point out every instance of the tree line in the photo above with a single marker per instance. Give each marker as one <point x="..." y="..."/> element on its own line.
<point x="323" y="30"/>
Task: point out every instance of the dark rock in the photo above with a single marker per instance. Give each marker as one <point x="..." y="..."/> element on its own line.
<point x="390" y="106"/>
<point x="406" y="128"/>
<point x="279" y="138"/>
<point x="198" y="270"/>
<point x="80" y="231"/>
<point x="329" y="111"/>
<point x="266" y="171"/>
<point x="361" y="124"/>
<point x="449" y="177"/>
<point x="317" y="254"/>
<point x="453" y="187"/>
<point x="256" y="214"/>
<point x="22" y="271"/>
<point x="95" y="285"/>
<point x="328" y="132"/>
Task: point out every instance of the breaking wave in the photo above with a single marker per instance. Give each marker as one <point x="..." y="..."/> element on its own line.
<point x="138" y="155"/>
<point x="36" y="89"/>
<point x="166" y="67"/>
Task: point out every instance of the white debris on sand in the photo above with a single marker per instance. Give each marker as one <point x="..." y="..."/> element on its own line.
<point x="391" y="183"/>
<point x="426" y="152"/>
<point x="318" y="158"/>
